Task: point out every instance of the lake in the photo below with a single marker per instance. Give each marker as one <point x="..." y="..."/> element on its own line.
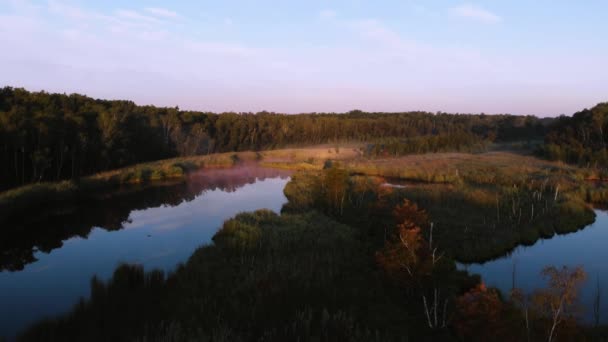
<point x="47" y="265"/>
<point x="587" y="248"/>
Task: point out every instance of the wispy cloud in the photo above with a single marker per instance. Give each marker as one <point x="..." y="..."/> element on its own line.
<point x="73" y="12"/>
<point x="144" y="54"/>
<point x="377" y="31"/>
<point x="22" y="5"/>
<point x="162" y="12"/>
<point x="476" y="13"/>
<point x="134" y="15"/>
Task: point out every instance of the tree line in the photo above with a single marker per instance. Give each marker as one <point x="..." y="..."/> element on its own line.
<point x="580" y="139"/>
<point x="48" y="137"/>
<point x="461" y="141"/>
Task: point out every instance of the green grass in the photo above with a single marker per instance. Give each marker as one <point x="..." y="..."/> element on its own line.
<point x="496" y="203"/>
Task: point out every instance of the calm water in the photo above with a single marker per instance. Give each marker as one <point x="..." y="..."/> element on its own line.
<point x="46" y="266"/>
<point x="587" y="248"/>
<point x="44" y="272"/>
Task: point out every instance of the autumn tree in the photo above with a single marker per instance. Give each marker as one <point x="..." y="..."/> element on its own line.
<point x="558" y="301"/>
<point x="480" y="316"/>
<point x="553" y="308"/>
<point x="408" y="213"/>
<point x="414" y="261"/>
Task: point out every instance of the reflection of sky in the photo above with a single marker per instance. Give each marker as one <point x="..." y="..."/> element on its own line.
<point x="156" y="238"/>
<point x="587" y="248"/>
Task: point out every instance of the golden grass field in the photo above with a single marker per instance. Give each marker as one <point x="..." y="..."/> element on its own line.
<point x="450" y="167"/>
<point x="485" y="168"/>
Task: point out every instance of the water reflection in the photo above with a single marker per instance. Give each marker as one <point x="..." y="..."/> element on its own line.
<point x="47" y="265"/>
<point x="22" y="239"/>
<point x="586" y="248"/>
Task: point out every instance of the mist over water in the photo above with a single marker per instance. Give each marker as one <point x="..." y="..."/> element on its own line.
<point x="157" y="227"/>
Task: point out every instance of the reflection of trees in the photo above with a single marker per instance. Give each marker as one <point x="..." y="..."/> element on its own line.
<point x="21" y="239"/>
<point x="230" y="180"/>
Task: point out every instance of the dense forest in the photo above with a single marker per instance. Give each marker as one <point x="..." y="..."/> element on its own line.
<point x="580" y="139"/>
<point x="48" y="137"/>
<point x="351" y="256"/>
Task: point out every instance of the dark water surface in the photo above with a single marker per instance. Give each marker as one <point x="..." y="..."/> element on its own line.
<point x="47" y="265"/>
<point x="587" y="248"/>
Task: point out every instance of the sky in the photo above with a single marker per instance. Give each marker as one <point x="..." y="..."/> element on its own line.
<point x="542" y="57"/>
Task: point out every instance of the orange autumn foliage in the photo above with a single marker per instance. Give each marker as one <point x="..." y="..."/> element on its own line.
<point x="480" y="316"/>
<point x="401" y="253"/>
<point x="409" y="214"/>
<point x="406" y="253"/>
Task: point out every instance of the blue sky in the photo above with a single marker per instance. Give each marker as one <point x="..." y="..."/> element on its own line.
<point x="523" y="57"/>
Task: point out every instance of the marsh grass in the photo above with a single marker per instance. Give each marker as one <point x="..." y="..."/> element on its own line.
<point x="490" y="168"/>
<point x="308" y="274"/>
<point x="476" y="224"/>
<point x="482" y="206"/>
<point x="310" y="158"/>
<point x="47" y="195"/>
<point x="43" y="196"/>
<point x="266" y="278"/>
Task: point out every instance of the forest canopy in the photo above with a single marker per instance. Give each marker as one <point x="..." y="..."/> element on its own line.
<point x="580" y="139"/>
<point x="48" y="137"/>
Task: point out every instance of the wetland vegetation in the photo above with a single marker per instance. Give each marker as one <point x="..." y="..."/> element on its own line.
<point x="348" y="256"/>
<point x="348" y="259"/>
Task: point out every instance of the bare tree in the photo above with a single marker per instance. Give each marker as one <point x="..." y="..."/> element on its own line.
<point x="558" y="300"/>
